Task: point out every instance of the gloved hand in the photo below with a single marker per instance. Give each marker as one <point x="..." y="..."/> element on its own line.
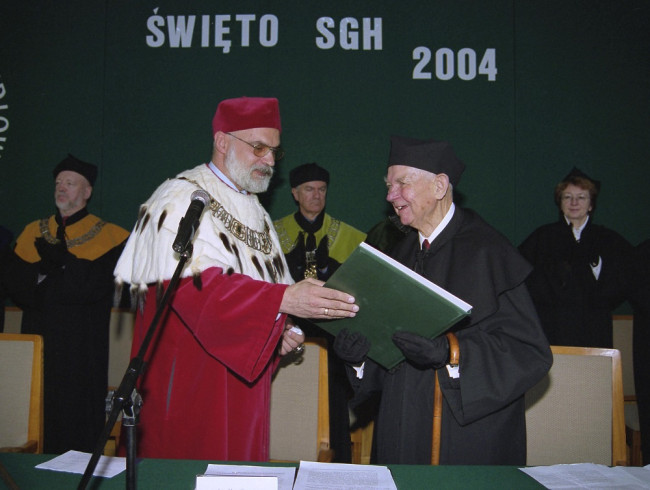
<point x="325" y="265"/>
<point x="351" y="347"/>
<point x="422" y="351"/>
<point x="296" y="259"/>
<point x="53" y="255"/>
<point x="322" y="254"/>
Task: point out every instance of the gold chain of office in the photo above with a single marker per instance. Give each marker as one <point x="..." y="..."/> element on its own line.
<point x="310" y="255"/>
<point x="258" y="240"/>
<point x="74" y="242"/>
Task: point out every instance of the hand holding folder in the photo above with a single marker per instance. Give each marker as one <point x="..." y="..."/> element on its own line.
<point x="391" y="298"/>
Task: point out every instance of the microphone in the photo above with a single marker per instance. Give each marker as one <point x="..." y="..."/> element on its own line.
<point x="190" y="222"/>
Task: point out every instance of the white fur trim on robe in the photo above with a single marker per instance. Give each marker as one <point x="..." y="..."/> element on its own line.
<point x="148" y="256"/>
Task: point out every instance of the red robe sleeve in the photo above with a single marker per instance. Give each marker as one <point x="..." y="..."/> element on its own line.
<point x="234" y="317"/>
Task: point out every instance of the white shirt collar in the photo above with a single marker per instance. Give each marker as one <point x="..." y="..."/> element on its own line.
<point x="225" y="179"/>
<point x="443" y="224"/>
<point x="577" y="232"/>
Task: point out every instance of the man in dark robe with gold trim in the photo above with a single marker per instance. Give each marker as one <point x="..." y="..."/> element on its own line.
<point x="61" y="275"/>
<point x="315" y="244"/>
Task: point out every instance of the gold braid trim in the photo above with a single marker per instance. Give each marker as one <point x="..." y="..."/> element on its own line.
<point x="289" y="245"/>
<point x="258" y="240"/>
<point x="74" y="242"/>
<point x="283" y="235"/>
<point x="332" y="231"/>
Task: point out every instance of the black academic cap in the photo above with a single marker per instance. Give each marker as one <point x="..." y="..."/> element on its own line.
<point x="437" y="157"/>
<point x="307" y="173"/>
<point x="72" y="163"/>
<point x="576" y="172"/>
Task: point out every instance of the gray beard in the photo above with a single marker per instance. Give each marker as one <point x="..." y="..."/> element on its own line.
<point x="243" y="177"/>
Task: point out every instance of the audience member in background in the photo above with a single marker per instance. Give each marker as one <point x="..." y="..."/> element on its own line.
<point x="581" y="270"/>
<point x="61" y="275"/>
<point x="206" y="391"/>
<point x="640" y="300"/>
<point x="503" y="351"/>
<point x="315" y="244"/>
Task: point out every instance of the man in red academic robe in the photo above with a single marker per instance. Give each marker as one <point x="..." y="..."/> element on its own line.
<point x="206" y="389"/>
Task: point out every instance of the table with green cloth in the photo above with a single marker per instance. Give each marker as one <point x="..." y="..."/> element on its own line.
<point x="156" y="474"/>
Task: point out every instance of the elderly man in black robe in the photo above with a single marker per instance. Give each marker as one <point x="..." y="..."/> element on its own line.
<point x="503" y="350"/>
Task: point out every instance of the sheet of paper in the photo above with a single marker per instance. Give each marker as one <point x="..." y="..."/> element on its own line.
<point x="284" y="474"/>
<point x="222" y="482"/>
<point x="587" y="476"/>
<point x="329" y="476"/>
<point x="640" y="473"/>
<point x="76" y="462"/>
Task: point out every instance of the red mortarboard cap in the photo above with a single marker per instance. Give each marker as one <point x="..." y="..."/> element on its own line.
<point x="246" y="113"/>
<point x="437" y="157"/>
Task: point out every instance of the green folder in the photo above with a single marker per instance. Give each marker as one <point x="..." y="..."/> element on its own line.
<point x="391" y="298"/>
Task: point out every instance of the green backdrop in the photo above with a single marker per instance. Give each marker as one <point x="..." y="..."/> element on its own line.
<point x="524" y="90"/>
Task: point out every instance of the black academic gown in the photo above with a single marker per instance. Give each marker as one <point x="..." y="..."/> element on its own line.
<point x="503" y="352"/>
<point x="576" y="308"/>
<point x="640" y="300"/>
<point x="70" y="308"/>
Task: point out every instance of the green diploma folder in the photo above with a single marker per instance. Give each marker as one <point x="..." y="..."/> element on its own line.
<point x="391" y="297"/>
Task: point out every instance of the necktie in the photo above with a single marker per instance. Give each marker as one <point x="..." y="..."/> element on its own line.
<point x="60" y="231"/>
<point x="419" y="257"/>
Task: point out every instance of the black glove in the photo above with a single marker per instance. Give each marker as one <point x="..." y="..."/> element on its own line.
<point x="422" y="351"/>
<point x="322" y="254"/>
<point x="351" y="347"/>
<point x="296" y="259"/>
<point x="53" y="255"/>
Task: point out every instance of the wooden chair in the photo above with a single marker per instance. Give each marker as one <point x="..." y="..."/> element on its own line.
<point x="21" y="393"/>
<point x="361" y="439"/>
<point x="575" y="413"/>
<point x="300" y="406"/>
<point x="623" y="341"/>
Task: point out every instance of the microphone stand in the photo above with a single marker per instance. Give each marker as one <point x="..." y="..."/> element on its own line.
<point x="125" y="398"/>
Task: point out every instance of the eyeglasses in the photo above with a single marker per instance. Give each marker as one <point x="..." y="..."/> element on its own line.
<point x="260" y="149"/>
<point x="579" y="198"/>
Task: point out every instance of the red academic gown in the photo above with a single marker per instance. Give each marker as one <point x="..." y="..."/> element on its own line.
<point x="215" y="350"/>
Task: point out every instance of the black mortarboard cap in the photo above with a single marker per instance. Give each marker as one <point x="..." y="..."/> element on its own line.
<point x="72" y="163"/>
<point x="576" y="172"/>
<point x="308" y="172"/>
<point x="437" y="157"/>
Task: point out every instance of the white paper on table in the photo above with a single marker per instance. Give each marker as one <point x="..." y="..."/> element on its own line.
<point x="236" y="482"/>
<point x="76" y="462"/>
<point x="587" y="476"/>
<point x="641" y="473"/>
<point x="328" y="476"/>
<point x="284" y="474"/>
